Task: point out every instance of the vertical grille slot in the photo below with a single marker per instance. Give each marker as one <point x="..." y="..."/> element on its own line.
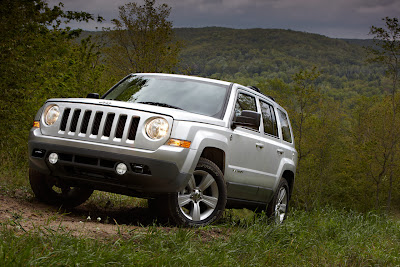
<point x="65" y="119"/>
<point x="96" y="123"/>
<point x="74" y="121"/>
<point x="108" y="125"/>
<point x="133" y="128"/>
<point x="120" y="126"/>
<point x="85" y="121"/>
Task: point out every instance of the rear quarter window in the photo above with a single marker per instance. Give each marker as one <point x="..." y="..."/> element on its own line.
<point x="286" y="133"/>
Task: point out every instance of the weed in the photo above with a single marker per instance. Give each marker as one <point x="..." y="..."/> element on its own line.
<point x="319" y="237"/>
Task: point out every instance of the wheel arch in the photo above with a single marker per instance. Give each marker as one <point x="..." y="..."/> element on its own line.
<point x="289" y="177"/>
<point x="216" y="155"/>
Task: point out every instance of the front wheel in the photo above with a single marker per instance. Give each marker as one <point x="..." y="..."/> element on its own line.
<point x="203" y="199"/>
<point x="47" y="190"/>
<point x="279" y="206"/>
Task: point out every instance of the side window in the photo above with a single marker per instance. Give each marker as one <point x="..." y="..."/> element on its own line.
<point x="269" y="119"/>
<point x="245" y="102"/>
<point x="287" y="136"/>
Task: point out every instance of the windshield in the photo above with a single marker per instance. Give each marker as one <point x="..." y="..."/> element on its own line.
<point x="195" y="96"/>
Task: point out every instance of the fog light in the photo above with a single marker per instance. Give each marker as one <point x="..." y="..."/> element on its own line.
<point x="121" y="168"/>
<point x="53" y="158"/>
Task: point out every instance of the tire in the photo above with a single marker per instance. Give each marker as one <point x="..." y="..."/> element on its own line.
<point x="157" y="207"/>
<point x="203" y="199"/>
<point x="278" y="208"/>
<point x="46" y="190"/>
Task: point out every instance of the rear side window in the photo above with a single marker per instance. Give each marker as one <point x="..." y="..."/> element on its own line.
<point x="269" y="119"/>
<point x="286" y="134"/>
<point x="245" y="102"/>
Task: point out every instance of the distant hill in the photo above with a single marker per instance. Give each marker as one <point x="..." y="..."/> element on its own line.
<point x="265" y="54"/>
<point x="360" y="42"/>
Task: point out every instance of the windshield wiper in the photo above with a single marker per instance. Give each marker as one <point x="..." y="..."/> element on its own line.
<point x="160" y="104"/>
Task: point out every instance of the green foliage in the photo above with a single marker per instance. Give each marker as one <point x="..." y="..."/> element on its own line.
<point x="142" y="40"/>
<point x="387" y="49"/>
<point x="39" y="61"/>
<point x="266" y="54"/>
<point x="325" y="237"/>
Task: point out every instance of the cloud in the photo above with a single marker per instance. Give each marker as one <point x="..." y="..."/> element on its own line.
<point x="336" y="18"/>
<point x="379" y="7"/>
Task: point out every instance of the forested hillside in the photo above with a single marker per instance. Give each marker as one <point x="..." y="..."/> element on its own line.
<point x="262" y="54"/>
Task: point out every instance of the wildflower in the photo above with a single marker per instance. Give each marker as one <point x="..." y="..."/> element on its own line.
<point x="98" y="219"/>
<point x="18" y="227"/>
<point x="80" y="222"/>
<point x="97" y="228"/>
<point x="88" y="218"/>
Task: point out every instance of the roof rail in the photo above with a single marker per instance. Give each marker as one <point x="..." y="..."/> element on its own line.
<point x="259" y="91"/>
<point x="254" y="88"/>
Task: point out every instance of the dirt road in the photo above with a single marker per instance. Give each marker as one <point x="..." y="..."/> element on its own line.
<point x="26" y="214"/>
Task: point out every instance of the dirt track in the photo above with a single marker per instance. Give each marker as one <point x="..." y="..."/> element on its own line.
<point x="26" y="214"/>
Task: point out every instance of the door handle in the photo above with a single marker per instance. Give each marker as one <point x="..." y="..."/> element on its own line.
<point x="279" y="151"/>
<point x="259" y="145"/>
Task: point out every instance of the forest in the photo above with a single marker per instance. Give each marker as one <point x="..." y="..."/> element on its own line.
<point x="341" y="97"/>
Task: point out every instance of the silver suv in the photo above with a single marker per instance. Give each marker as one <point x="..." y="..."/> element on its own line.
<point x="192" y="146"/>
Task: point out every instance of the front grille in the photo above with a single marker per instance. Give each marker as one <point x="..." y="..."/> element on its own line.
<point x="98" y="124"/>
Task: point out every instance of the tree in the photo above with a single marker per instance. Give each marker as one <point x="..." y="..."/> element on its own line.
<point x="387" y="50"/>
<point x="387" y="53"/>
<point x="38" y="56"/>
<point x="307" y="97"/>
<point x="142" y="40"/>
<point x="376" y="149"/>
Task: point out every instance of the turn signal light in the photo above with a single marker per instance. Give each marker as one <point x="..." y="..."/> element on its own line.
<point x="179" y="143"/>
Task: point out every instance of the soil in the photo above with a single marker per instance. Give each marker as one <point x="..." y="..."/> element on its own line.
<point x="25" y="213"/>
<point x="109" y="221"/>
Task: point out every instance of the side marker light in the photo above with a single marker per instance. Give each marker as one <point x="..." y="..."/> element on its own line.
<point x="179" y="143"/>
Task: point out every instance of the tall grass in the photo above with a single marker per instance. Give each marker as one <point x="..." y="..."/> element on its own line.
<point x="320" y="237"/>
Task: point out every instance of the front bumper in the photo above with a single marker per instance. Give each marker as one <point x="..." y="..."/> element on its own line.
<point x="93" y="165"/>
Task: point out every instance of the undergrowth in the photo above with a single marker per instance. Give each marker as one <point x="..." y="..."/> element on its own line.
<point x="320" y="237"/>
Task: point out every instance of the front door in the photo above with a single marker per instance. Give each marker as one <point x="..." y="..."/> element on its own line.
<point x="245" y="155"/>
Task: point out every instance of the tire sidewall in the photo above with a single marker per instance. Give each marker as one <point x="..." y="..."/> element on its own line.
<point x="176" y="212"/>
<point x="272" y="204"/>
<point x="42" y="188"/>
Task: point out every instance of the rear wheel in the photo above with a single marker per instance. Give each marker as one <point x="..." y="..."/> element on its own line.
<point x="203" y="199"/>
<point x="47" y="190"/>
<point x="279" y="206"/>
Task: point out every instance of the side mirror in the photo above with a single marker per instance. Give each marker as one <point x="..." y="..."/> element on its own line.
<point x="247" y="118"/>
<point x="93" y="95"/>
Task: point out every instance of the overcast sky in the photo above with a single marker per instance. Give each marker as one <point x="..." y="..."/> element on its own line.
<point x="333" y="18"/>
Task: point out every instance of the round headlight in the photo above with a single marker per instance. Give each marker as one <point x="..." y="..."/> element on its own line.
<point x="51" y="114"/>
<point x="156" y="128"/>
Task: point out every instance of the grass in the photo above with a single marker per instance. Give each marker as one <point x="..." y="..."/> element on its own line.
<point x="321" y="237"/>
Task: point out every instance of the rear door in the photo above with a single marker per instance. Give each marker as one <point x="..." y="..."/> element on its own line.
<point x="272" y="152"/>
